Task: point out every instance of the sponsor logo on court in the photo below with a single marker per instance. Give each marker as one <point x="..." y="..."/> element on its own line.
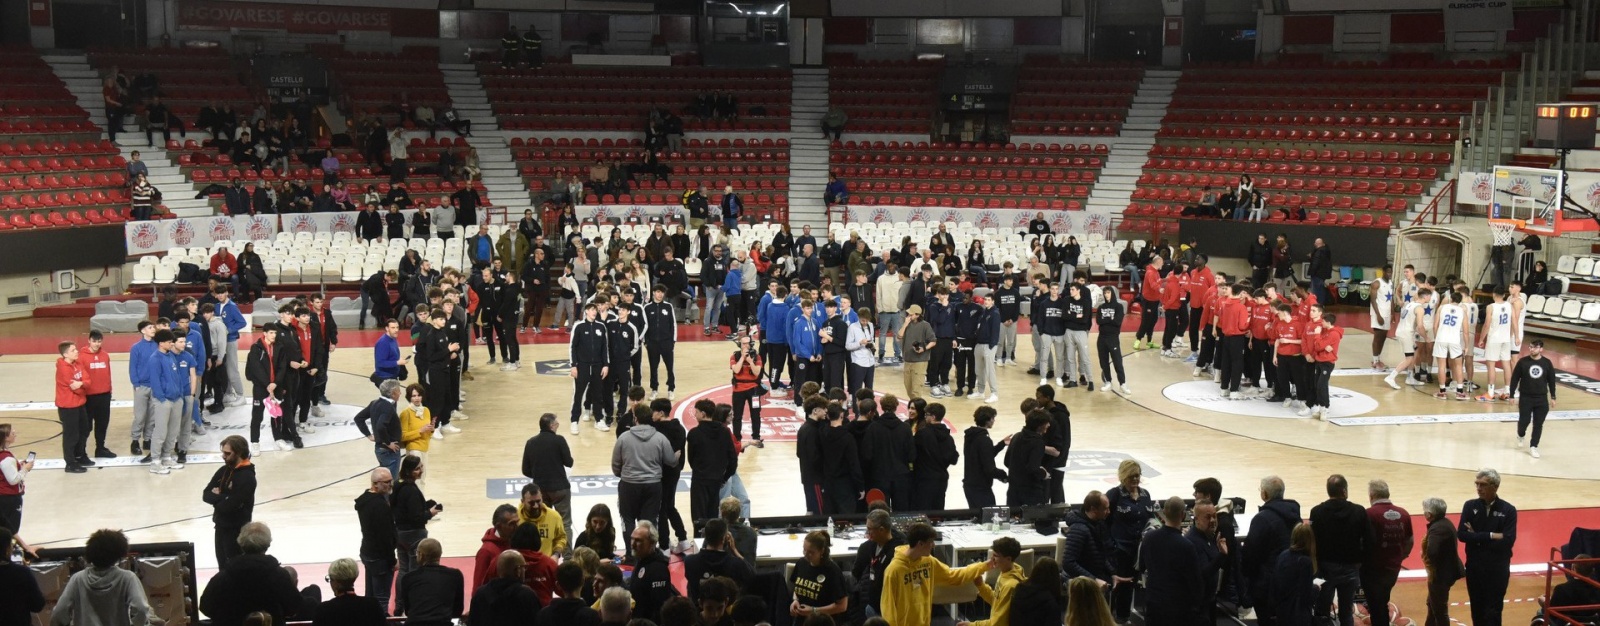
<point x="596" y="485"/>
<point x="780" y="415"/>
<point x="1580" y="381"/>
<point x="1206" y="395"/>
<point x="1102" y="464"/>
<point x="561" y="367"/>
<point x="1458" y="418"/>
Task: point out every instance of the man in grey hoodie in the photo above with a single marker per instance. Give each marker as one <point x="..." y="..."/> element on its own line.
<point x="638" y="458"/>
<point x="103" y="594"/>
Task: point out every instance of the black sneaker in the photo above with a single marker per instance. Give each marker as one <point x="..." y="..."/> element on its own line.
<point x="86" y="462"/>
<point x="102" y="453"/>
<point x="1033" y="371"/>
<point x="146" y="446"/>
<point x="1072" y="384"/>
<point x="214" y="409"/>
<point x="298" y="444"/>
<point x="77" y="469"/>
<point x="146" y="459"/>
<point x="183" y="456"/>
<point x="134" y="449"/>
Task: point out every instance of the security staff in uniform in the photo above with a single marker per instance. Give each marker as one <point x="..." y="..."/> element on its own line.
<point x="623" y="346"/>
<point x="510" y="45"/>
<point x="588" y="355"/>
<point x="660" y="338"/>
<point x="1488" y="529"/>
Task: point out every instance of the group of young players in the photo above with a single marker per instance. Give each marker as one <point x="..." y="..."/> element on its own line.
<point x="1440" y="326"/>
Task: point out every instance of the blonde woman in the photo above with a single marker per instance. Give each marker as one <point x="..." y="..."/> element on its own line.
<point x="1086" y="604"/>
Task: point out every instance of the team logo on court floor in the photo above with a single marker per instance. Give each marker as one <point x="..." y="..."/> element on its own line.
<point x="1204" y="394"/>
<point x="780" y="413"/>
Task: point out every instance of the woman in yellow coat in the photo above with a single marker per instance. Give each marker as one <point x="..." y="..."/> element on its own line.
<point x="416" y="423"/>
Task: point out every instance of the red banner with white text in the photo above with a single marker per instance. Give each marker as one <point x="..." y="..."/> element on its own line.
<point x="294" y="18"/>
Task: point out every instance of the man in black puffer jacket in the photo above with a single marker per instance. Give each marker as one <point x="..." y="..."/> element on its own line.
<point x="1268" y="537"/>
<point x="250" y="582"/>
<point x="1088" y="549"/>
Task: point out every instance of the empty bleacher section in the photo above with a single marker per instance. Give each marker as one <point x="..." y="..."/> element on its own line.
<point x="758" y="169"/>
<point x="1076" y="99"/>
<point x="1353" y="144"/>
<point x="559" y="97"/>
<point x="386" y="84"/>
<point x="55" y="170"/>
<point x="939" y="174"/>
<point x="887" y="97"/>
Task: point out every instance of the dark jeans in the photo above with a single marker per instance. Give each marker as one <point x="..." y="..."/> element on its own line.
<point x="1232" y="360"/>
<point x="741" y="399"/>
<point x="407" y="547"/>
<point x="927" y="493"/>
<point x="703" y="498"/>
<point x="1147" y="321"/>
<point x="637" y="501"/>
<point x="99" y="408"/>
<point x="74" y="434"/>
<point x="227" y="544"/>
<point x="1532" y="410"/>
<point x="1486" y="590"/>
<point x="1320" y="290"/>
<point x="980" y="496"/>
<point x="860" y="377"/>
<point x="1345" y="579"/>
<point x="1122" y="562"/>
<point x="11" y="513"/>
<point x="388" y="459"/>
<point x="669" y="509"/>
<point x="1174" y="327"/>
<point x="380" y="580"/>
<point x="966" y="377"/>
<point x="1378" y="586"/>
<point x="586" y="388"/>
<point x="1109" y="345"/>
<point x="939" y="362"/>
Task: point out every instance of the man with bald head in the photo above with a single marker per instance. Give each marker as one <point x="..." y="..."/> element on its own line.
<point x="431" y="595"/>
<point x="378" y="538"/>
<point x="505" y="600"/>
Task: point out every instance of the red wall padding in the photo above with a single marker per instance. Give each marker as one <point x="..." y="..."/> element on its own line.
<point x="1416" y="28"/>
<point x="1302" y="30"/>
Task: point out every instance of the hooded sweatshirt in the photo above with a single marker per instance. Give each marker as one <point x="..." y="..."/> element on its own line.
<point x="908" y="586"/>
<point x="102" y="597"/>
<point x="504" y="601"/>
<point x="1000" y="597"/>
<point x="484" y="564"/>
<point x="552" y="530"/>
<point x="1269" y="536"/>
<point x="639" y="455"/>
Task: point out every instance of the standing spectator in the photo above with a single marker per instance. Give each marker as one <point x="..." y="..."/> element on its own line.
<point x="1211" y="550"/>
<point x="667" y="425"/>
<point x="1292" y="580"/>
<point x="1131" y="511"/>
<point x="433" y="595"/>
<point x="1088" y="547"/>
<point x="411" y="516"/>
<point x="713" y="460"/>
<point x="378" y="538"/>
<point x="910" y="579"/>
<point x="502" y="526"/>
<point x="1441" y="559"/>
<point x="505" y="600"/>
<point x="1319" y="272"/>
<point x="253" y="581"/>
<point x="652" y="581"/>
<point x="104" y="592"/>
<point x="638" y="458"/>
<point x="143" y="198"/>
<point x="732" y="209"/>
<point x="1392" y="542"/>
<point x="1038" y="600"/>
<point x="1025" y="461"/>
<point x="1488" y="527"/>
<point x="232" y="496"/>
<point x="552" y="528"/>
<point x="1344" y="539"/>
<point x="1260" y="259"/>
<point x="935" y="453"/>
<point x="398" y="157"/>
<point x="1268" y="538"/>
<point x="890" y="450"/>
<point x="714" y="559"/>
<point x="14" y="472"/>
<point x="18" y="584"/>
<point x="1172" y="570"/>
<point x="980" y="472"/>
<point x="545" y="461"/>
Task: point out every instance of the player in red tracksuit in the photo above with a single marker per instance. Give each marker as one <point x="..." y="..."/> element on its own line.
<point x="1200" y="284"/>
<point x="1287" y="343"/>
<point x="1150" y="304"/>
<point x="1234" y="322"/>
<point x="1325" y="355"/>
<point x="1311" y="334"/>
<point x="1206" y="357"/>
<point x="1173" y="293"/>
<point x="1258" y="357"/>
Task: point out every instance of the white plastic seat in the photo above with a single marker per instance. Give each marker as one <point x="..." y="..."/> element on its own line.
<point x="1590" y="313"/>
<point x="143" y="274"/>
<point x="164" y="274"/>
<point x="1535" y="304"/>
<point x="149" y="260"/>
<point x="1552" y="307"/>
<point x="1584" y="267"/>
<point x="289" y="272"/>
<point x="1571" y="309"/>
<point x="1565" y="264"/>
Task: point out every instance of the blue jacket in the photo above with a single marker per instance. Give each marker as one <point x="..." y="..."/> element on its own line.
<point x="167" y="381"/>
<point x="775" y="321"/>
<point x="821" y="313"/>
<point x="187" y="362"/>
<point x="731" y="284"/>
<point x="803" y="338"/>
<point x="233" y="319"/>
<point x="384" y="355"/>
<point x="761" y="307"/>
<point x="196" y="346"/>
<point x="138" y="359"/>
<point x="989" y="327"/>
<point x="942" y="318"/>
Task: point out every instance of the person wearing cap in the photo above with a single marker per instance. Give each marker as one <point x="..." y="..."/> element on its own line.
<point x="988" y="342"/>
<point x="916" y="334"/>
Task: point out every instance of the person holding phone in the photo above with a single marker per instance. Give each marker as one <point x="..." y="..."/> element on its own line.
<point x="13" y="472"/>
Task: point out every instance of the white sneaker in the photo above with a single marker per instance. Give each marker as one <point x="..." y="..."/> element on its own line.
<point x="450" y="428"/>
<point x="1197" y="372"/>
<point x="507" y="367"/>
<point x="684" y="547"/>
<point x="1304" y="411"/>
<point x="1319" y="413"/>
<point x="172" y="463"/>
<point x="255" y="449"/>
<point x="316" y="410"/>
<point x="235" y="401"/>
<point x="1534" y="452"/>
<point x="307" y="428"/>
<point x="993" y="398"/>
<point x="655" y="393"/>
<point x="672" y="396"/>
<point x="1044" y="381"/>
<point x="458" y="415"/>
<point x="1520" y="441"/>
<point x="601" y="426"/>
<point x="1060" y="383"/>
<point x="285" y="445"/>
<point x="1216" y="376"/>
<point x="1390" y="379"/>
<point x="974" y="395"/>
<point x="1105" y="386"/>
<point x="1126" y="391"/>
<point x="516" y="366"/>
<point x="157" y="468"/>
<point x="1169" y="354"/>
<point x="574" y="428"/>
<point x="438" y="434"/>
<point x="586" y="416"/>
<point x="1235" y="396"/>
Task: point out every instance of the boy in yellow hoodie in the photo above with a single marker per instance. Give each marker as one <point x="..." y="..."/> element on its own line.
<point x="910" y="578"/>
<point x="1003" y="555"/>
<point x="552" y="533"/>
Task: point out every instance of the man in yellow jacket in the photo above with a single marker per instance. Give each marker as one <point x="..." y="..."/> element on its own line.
<point x="552" y="533"/>
<point x="1003" y="558"/>
<point x="910" y="578"/>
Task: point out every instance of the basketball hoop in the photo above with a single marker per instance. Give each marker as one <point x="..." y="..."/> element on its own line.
<point x="1504" y="231"/>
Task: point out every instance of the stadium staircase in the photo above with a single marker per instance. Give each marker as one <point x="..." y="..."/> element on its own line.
<point x="808" y="151"/>
<point x="84" y="82"/>
<point x="1130" y="149"/>
<point x="501" y="179"/>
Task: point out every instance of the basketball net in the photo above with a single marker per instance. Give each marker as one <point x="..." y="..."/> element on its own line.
<point x="1504" y="231"/>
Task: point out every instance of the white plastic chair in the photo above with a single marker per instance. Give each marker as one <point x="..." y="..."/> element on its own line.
<point x="164" y="274"/>
<point x="143" y="273"/>
<point x="1565" y="264"/>
<point x="1584" y="267"/>
<point x="1552" y="307"/>
<point x="1591" y="313"/>
<point x="1571" y="309"/>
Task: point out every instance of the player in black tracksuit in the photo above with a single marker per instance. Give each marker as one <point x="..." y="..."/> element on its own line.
<point x="624" y="344"/>
<point x="1109" y="345"/>
<point x="660" y="337"/>
<point x="1009" y="302"/>
<point x="835" y="356"/>
<point x="438" y="352"/>
<point x="968" y="316"/>
<point x="1534" y="378"/>
<point x="507" y="305"/>
<point x="588" y="355"/>
<point x="629" y="299"/>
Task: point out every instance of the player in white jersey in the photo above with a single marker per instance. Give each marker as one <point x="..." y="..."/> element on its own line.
<point x="1519" y="315"/>
<point x="1496" y="342"/>
<point x="1469" y="335"/>
<point x="1407" y="330"/>
<point x="1448" y="323"/>
<point x="1380" y="294"/>
<point x="1407" y="286"/>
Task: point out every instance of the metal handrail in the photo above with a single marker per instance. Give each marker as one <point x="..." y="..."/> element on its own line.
<point x="1432" y="210"/>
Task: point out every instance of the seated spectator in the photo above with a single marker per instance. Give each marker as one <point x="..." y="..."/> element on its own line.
<point x="341" y="198"/>
<point x="505" y="600"/>
<point x="1575" y="593"/>
<point x="17" y="584"/>
<point x="539" y="570"/>
<point x="158" y="117"/>
<point x="452" y="120"/>
<point x="423" y="116"/>
<point x="569" y="609"/>
<point x="725" y="105"/>
<point x="701" y="107"/>
<point x="836" y="192"/>
<point x="346" y="608"/>
<point x="103" y="593"/>
<point x="616" y="607"/>
<point x="250" y="582"/>
<point x="432" y="593"/>
<point x="225" y="267"/>
<point x="1294" y="213"/>
<point x="833" y="123"/>
<point x="1536" y="279"/>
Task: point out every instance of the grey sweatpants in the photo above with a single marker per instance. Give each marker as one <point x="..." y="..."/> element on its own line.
<point x="1008" y="341"/>
<point x="142" y="428"/>
<point x="1052" y="346"/>
<point x="987" y="382"/>
<point x="166" y="417"/>
<point x="230" y="360"/>
<point x="1076" y="353"/>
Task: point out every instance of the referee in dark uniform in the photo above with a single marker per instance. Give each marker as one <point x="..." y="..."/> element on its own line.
<point x="1488" y="529"/>
<point x="1534" y="379"/>
<point x="587" y="355"/>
